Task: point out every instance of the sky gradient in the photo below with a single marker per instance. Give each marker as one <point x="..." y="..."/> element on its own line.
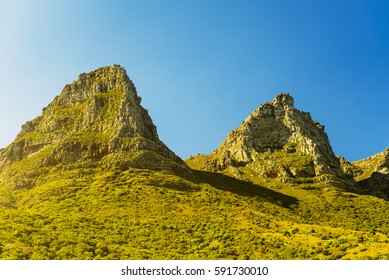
<point x="202" y="66"/>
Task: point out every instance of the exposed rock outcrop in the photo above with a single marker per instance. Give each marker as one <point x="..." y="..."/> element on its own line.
<point x="97" y="118"/>
<point x="275" y="141"/>
<point x="373" y="174"/>
<point x="377" y="163"/>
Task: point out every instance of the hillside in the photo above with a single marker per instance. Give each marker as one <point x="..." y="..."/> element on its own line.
<point x="90" y="179"/>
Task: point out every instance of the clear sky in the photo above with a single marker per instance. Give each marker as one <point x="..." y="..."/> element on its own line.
<point x="202" y="66"/>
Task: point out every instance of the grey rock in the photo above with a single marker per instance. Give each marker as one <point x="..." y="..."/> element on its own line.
<point x="277" y="141"/>
<point x="97" y="118"/>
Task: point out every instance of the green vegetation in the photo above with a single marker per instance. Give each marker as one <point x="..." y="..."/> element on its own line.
<point x="91" y="213"/>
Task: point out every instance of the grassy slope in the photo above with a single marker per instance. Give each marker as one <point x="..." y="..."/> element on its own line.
<point x="141" y="214"/>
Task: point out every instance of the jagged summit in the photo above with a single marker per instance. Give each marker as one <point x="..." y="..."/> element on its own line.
<point x="276" y="141"/>
<point x="104" y="100"/>
<point x="97" y="119"/>
<point x="283" y="100"/>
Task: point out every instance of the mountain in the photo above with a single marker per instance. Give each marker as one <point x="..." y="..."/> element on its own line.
<point x="96" y="121"/>
<point x="275" y="141"/>
<point x="90" y="179"/>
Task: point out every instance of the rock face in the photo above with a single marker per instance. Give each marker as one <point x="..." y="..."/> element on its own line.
<point x="377" y="163"/>
<point x="372" y="174"/>
<point x="97" y="118"/>
<point x="275" y="141"/>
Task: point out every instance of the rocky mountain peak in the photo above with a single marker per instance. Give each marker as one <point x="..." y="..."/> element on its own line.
<point x="104" y="100"/>
<point x="97" y="119"/>
<point x="283" y="100"/>
<point x="276" y="141"/>
<point x="103" y="80"/>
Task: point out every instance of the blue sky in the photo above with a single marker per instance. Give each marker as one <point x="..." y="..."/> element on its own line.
<point x="201" y="67"/>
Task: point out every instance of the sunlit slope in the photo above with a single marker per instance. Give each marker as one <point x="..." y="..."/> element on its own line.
<point x="143" y="214"/>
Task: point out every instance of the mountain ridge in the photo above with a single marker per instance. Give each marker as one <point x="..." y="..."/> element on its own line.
<point x="98" y="118"/>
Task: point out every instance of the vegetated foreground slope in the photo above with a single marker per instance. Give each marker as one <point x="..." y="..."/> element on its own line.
<point x="145" y="214"/>
<point x="113" y="190"/>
